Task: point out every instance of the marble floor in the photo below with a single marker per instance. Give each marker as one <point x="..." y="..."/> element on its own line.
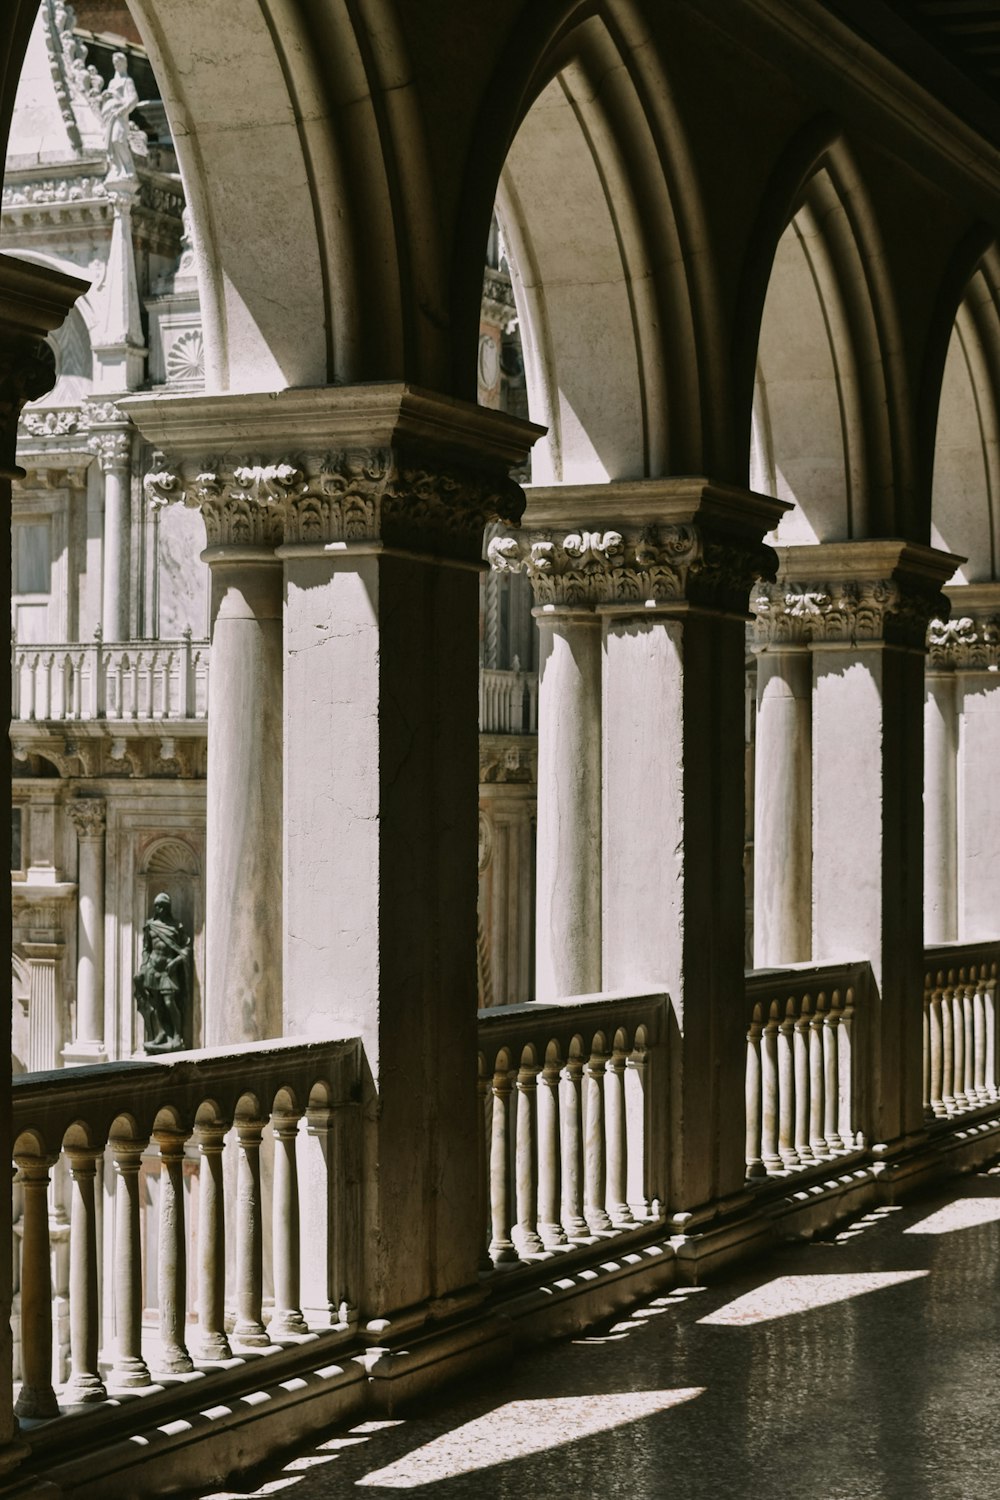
<point x="862" y="1367"/>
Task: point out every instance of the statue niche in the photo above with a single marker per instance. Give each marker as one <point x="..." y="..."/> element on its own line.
<point x="161" y="987"/>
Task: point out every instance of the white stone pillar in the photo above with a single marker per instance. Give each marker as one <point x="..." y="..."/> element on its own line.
<point x="973" y="645"/>
<point x="243" y="984"/>
<point x="782" y="841"/>
<point x="568" y="867"/>
<point x="668" y="564"/>
<point x="940" y="807"/>
<point x="112" y="445"/>
<point x="867" y="605"/>
<point x="383" y="493"/>
<point x="88" y="817"/>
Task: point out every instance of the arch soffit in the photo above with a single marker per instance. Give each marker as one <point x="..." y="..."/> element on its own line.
<point x="619" y="90"/>
<point x="294" y="166"/>
<point x="817" y="173"/>
<point x="968" y="305"/>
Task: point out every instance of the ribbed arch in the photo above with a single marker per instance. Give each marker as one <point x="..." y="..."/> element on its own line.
<point x="821" y="384"/>
<point x="586" y="176"/>
<point x="965" y="495"/>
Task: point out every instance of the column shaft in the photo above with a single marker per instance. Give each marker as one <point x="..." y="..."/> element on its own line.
<point x="979" y="807"/>
<point x="782" y="849"/>
<point x="940" y="809"/>
<point x="568" y="881"/>
<point x="85" y="1382"/>
<point x="243" y="864"/>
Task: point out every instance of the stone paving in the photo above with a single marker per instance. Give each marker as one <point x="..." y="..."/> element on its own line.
<point x="862" y="1367"/>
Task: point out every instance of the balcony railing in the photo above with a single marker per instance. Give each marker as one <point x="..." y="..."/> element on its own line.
<point x="960" y="1028"/>
<point x="804" y="1065"/>
<point x="565" y="1146"/>
<point x="508" y="701"/>
<point x="146" y="681"/>
<point x="289" y="1103"/>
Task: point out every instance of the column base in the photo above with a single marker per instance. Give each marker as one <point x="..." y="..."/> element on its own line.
<point x="175" y="1361"/>
<point x="213" y="1346"/>
<point x="131" y="1373"/>
<point x="84" y="1054"/>
<point x="252" y="1335"/>
<point x="84" y="1388"/>
<point x="288" y="1323"/>
<point x="36" y="1401"/>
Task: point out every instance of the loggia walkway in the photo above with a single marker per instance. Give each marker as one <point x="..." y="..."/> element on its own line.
<point x="863" y="1366"/>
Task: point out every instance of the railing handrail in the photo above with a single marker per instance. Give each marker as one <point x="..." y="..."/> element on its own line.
<point x="953" y="953"/>
<point x="524" y="1023"/>
<point x="50" y="1102"/>
<point x="163" y="680"/>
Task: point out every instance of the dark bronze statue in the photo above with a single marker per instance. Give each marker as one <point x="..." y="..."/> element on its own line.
<point x="160" y="987"/>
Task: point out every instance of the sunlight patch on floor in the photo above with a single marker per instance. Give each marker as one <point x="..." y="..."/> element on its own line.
<point x="519" y="1429"/>
<point x="964" y="1213"/>
<point x="798" y="1294"/>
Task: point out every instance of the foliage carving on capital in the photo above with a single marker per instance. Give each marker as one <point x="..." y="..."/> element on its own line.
<point x="88" y="816"/>
<point x="847" y="612"/>
<point x="966" y="644"/>
<point x="362" y="495"/>
<point x="113" y="450"/>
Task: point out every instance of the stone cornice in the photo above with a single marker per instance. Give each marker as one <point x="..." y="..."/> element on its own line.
<point x="847" y="593"/>
<point x="641" y="543"/>
<point x="374" y="465"/>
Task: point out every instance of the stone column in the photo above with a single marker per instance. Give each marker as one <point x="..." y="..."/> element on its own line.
<point x="782" y="840"/>
<point x="88" y="817"/>
<point x="243" y="857"/>
<point x="867" y="607"/>
<point x="384" y="493"/>
<point x="33" y="301"/>
<point x="940" y="788"/>
<point x="568" y="848"/>
<point x="112" y="445"/>
<point x="668" y="565"/>
<point x="970" y="646"/>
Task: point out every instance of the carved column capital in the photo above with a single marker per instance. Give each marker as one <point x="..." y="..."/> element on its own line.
<point x="112" y="447"/>
<point x="969" y="643"/>
<point x="648" y="565"/>
<point x="88" y="815"/>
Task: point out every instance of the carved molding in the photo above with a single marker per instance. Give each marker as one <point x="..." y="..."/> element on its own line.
<point x="113" y="449"/>
<point x="967" y="644"/>
<point x="88" y="815"/>
<point x="846" y="611"/>
<point x="663" y="564"/>
<point x="352" y="496"/>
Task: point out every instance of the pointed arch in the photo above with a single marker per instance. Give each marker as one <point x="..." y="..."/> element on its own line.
<point x="580" y="147"/>
<point x="817" y="201"/>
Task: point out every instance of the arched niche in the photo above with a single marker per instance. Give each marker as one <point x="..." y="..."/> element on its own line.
<point x="170" y="865"/>
<point x="600" y="283"/>
<point x="965" y="499"/>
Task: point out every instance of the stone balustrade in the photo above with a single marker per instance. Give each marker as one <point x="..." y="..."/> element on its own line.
<point x="960" y="1028"/>
<point x="110" y="680"/>
<point x="804" y="1099"/>
<point x="508" y="701"/>
<point x="567" y="1121"/>
<point x="293" y="1098"/>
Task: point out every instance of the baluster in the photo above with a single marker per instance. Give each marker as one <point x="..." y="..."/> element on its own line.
<point x="928" y="1112"/>
<point x="287" y="1317"/>
<point x="186" y="700"/>
<point x="800" y="1048"/>
<point x="754" y="1085"/>
<point x="501" y="1245"/>
<point x="484" y="1120"/>
<point x="171" y="1267"/>
<point x="817" y="1140"/>
<point x="972" y="1036"/>
<point x="78" y="686"/>
<point x="37" y="1398"/>
<point x="212" y="1343"/>
<point x="85" y="1383"/>
<point x="936" y="1042"/>
<point x="547" y="1116"/>
<point x="98" y="677"/>
<point x="205" y="677"/>
<point x="130" y="1369"/>
<point x="636" y="1139"/>
<point x="958" y="1039"/>
<point x="120" y="667"/>
<point x="786" y="1088"/>
<point x="135" y="673"/>
<point x="525" y="1232"/>
<point x="615" y="1132"/>
<point x="47" y="665"/>
<point x="67" y="686"/>
<point x="249" y="1328"/>
<point x="769" y="1093"/>
<point x="989" y="1004"/>
<point x="31" y="695"/>
<point x="15" y="679"/>
<point x="594" y="1142"/>
<point x="947" y="1049"/>
<point x="831" y="1077"/>
<point x="845" y="1071"/>
<point x="571" y="1143"/>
